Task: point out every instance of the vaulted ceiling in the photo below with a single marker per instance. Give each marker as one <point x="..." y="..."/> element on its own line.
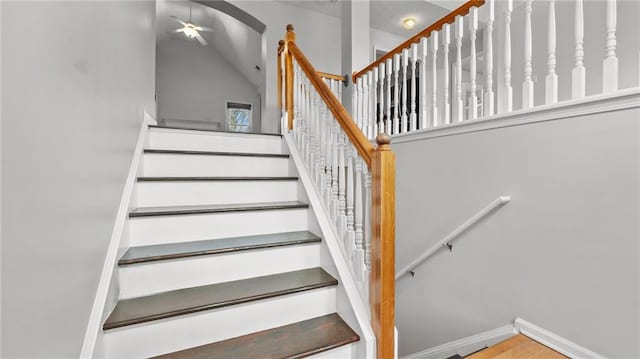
<point x="387" y="15"/>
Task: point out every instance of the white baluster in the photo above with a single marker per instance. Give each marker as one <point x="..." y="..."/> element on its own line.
<point x="358" y="253"/>
<point x="446" y="106"/>
<point x="459" y="105"/>
<point x="382" y="73"/>
<point x="342" y="216"/>
<point x="367" y="224"/>
<point x="424" y="123"/>
<point x="396" y="97"/>
<point x="323" y="143"/>
<point x="388" y="125"/>
<point x="374" y="103"/>
<point x="488" y="102"/>
<point x="349" y="240"/>
<point x="335" y="173"/>
<point x="551" y="81"/>
<point x="365" y="105"/>
<point x="473" y="28"/>
<point x="404" y="118"/>
<point x="610" y="63"/>
<point x="332" y="175"/>
<point x="370" y="117"/>
<point x="413" y="119"/>
<point x="507" y="57"/>
<point x="358" y="103"/>
<point x="527" y="85"/>
<point x="578" y="74"/>
<point x="433" y="113"/>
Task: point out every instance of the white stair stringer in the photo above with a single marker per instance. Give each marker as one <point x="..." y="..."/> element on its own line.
<point x="218" y="268"/>
<point x="187" y="331"/>
<point x="177" y="193"/>
<point x="193" y="227"/>
<point x="176" y="165"/>
<point x="177" y="139"/>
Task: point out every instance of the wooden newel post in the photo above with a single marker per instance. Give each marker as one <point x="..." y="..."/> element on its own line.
<point x="290" y="36"/>
<point x="279" y="73"/>
<point x="382" y="281"/>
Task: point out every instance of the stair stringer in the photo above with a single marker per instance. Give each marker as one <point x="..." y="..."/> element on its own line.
<point x="350" y="305"/>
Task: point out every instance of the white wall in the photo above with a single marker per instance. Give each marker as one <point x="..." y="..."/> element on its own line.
<point x="382" y="40"/>
<point x="318" y="35"/>
<point x="77" y="78"/>
<point x="563" y="254"/>
<point x="194" y="82"/>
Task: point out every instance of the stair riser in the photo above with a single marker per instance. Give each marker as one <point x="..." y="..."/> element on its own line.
<point x="343" y="352"/>
<point x="169" y="335"/>
<point x="152" y="194"/>
<point x="185" y="228"/>
<point x="170" y="165"/>
<point x="211" y="141"/>
<point x="144" y="279"/>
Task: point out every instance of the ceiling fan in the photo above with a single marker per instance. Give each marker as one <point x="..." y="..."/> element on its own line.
<point x="191" y="30"/>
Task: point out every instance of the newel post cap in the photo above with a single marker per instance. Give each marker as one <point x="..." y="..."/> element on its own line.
<point x="289" y="27"/>
<point x="281" y="43"/>
<point x="383" y="140"/>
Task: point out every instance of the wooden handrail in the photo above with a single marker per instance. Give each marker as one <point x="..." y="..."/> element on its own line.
<point x="359" y="140"/>
<point x="447" y="19"/>
<point x="381" y="161"/>
<point x="327" y="75"/>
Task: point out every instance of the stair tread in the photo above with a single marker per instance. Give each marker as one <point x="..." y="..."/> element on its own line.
<point x="295" y="340"/>
<point x="215" y="153"/>
<point x="204" y="178"/>
<point x="159" y="252"/>
<point x="215" y="208"/>
<point x="187" y="128"/>
<point x="213" y="296"/>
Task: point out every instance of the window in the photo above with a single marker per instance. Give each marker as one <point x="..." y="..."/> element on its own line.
<point x="238" y="117"/>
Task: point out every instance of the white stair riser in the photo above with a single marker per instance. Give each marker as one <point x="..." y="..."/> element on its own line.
<point x="154" y="277"/>
<point x="343" y="352"/>
<point x="162" y="139"/>
<point x="173" y="334"/>
<point x="151" y="194"/>
<point x="168" y="165"/>
<point x="185" y="228"/>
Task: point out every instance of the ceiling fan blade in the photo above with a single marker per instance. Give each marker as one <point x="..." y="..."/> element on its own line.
<point x="179" y="30"/>
<point x="204" y="28"/>
<point x="178" y="20"/>
<point x="201" y="40"/>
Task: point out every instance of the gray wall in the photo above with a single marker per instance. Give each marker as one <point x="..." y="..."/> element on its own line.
<point x="194" y="82"/>
<point x="76" y="79"/>
<point x="318" y="35"/>
<point x="563" y="254"/>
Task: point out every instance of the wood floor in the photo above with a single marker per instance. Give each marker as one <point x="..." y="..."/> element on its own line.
<point x="518" y="347"/>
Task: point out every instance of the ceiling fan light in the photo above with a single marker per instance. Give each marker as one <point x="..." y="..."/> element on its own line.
<point x="190" y="32"/>
<point x="409" y="23"/>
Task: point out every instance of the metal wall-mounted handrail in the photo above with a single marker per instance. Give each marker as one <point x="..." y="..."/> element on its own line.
<point x="446" y="241"/>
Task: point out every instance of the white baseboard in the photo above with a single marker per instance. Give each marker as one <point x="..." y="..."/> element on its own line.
<point x="466" y="345"/>
<point x="476" y="342"/>
<point x="553" y="341"/>
<point x="330" y="237"/>
<point x="95" y="319"/>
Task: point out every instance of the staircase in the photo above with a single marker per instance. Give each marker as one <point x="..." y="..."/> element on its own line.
<point x="222" y="261"/>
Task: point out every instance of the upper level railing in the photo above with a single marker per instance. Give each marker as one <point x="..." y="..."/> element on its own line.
<point x="414" y="87"/>
<point x="355" y="180"/>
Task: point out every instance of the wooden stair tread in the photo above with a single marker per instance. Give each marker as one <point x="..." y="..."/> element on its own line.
<point x="215" y="153"/>
<point x="213" y="296"/>
<point x="215" y="208"/>
<point x="295" y="340"/>
<point x="517" y="347"/>
<point x="188" y="128"/>
<point x="194" y="179"/>
<point x="159" y="252"/>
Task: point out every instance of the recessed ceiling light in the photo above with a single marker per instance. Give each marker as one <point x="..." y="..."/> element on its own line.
<point x="409" y="23"/>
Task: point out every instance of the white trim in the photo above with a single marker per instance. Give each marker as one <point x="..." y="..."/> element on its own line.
<point x="621" y="100"/>
<point x="466" y="345"/>
<point x="330" y="237"/>
<point x="554" y="341"/>
<point x="95" y="318"/>
<point x="189" y="131"/>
